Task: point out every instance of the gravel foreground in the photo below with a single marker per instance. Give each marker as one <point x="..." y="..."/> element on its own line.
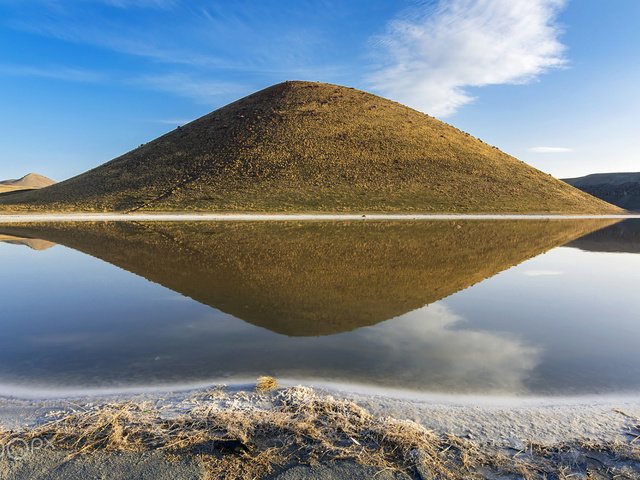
<point x="296" y="433"/>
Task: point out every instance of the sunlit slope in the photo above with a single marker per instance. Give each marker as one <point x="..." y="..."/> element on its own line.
<point x="314" y="278"/>
<point x="303" y="146"/>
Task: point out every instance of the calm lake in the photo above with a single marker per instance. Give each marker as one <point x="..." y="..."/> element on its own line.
<point x="523" y="307"/>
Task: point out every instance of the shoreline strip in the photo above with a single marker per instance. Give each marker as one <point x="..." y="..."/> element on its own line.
<point x="253" y="217"/>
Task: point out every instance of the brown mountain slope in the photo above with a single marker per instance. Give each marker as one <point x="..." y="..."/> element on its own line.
<point x="314" y="278"/>
<point x="302" y="146"/>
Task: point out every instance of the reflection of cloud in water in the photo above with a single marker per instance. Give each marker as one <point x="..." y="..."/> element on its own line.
<point x="452" y="358"/>
<point x="427" y="350"/>
<point x="542" y="273"/>
<point x="175" y="297"/>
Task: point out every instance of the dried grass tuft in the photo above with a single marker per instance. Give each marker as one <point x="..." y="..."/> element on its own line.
<point x="266" y="384"/>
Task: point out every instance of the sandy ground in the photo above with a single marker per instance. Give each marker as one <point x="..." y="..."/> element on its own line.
<point x="239" y="217"/>
<point x="542" y="420"/>
<point x="500" y="422"/>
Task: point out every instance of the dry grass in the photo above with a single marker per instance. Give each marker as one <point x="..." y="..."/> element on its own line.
<point x="245" y="442"/>
<point x="266" y="384"/>
<point x="303" y="146"/>
<point x="236" y="438"/>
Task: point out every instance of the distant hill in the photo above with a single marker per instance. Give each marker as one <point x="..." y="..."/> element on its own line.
<point x="622" y="189"/>
<point x="30" y="181"/>
<point x="303" y="146"/>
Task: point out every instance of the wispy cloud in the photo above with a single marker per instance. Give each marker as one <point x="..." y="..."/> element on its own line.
<point x="65" y="4"/>
<point x="195" y="88"/>
<point x="191" y="86"/>
<point x="170" y="39"/>
<point x="550" y="149"/>
<point x="174" y="122"/>
<point x="542" y="273"/>
<point x="52" y="72"/>
<point x="432" y="54"/>
<point x="163" y="4"/>
<point x="229" y="37"/>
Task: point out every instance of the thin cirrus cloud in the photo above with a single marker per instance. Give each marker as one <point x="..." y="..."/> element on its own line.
<point x="550" y="149"/>
<point x="198" y="89"/>
<point x="432" y="54"/>
<point x="52" y="72"/>
<point x="174" y="121"/>
<point x="140" y="3"/>
<point x="542" y="273"/>
<point x="194" y="87"/>
<point x="160" y="4"/>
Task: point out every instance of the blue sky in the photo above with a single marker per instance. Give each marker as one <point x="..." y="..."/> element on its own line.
<point x="553" y="82"/>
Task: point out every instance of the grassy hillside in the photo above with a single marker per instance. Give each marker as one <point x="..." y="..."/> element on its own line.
<point x="314" y="278"/>
<point x="302" y="146"/>
<point x="621" y="189"/>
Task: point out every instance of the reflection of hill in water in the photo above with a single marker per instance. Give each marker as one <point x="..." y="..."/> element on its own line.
<point x="622" y="237"/>
<point x="315" y="278"/>
<point x="33" y="243"/>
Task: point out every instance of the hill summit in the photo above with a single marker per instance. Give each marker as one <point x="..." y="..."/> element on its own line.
<point x="304" y="146"/>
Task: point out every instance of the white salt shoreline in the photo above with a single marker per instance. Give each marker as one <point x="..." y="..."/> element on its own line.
<point x="488" y="419"/>
<point x="253" y="217"/>
<point x="489" y="399"/>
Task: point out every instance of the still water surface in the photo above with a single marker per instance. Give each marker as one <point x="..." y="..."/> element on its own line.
<point x="528" y="307"/>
